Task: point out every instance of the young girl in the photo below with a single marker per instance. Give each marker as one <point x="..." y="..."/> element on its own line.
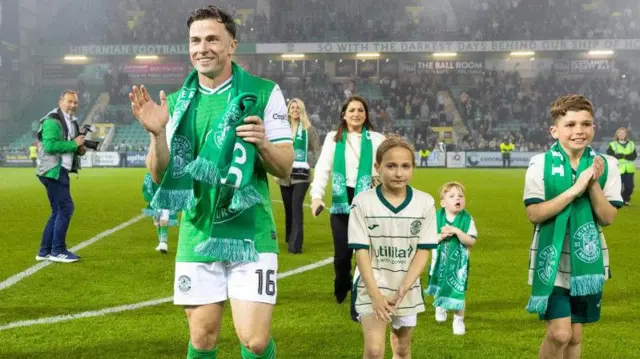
<point x="162" y="218"/>
<point x="391" y="227"/>
<point x="450" y="262"/>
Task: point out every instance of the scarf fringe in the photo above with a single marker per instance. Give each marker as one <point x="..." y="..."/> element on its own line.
<point x="449" y="303"/>
<point x="340" y="208"/>
<point x="228" y="249"/>
<point x="173" y="199"/>
<point x="203" y="170"/>
<point x="149" y="212"/>
<point x="587" y="284"/>
<point x="244" y="198"/>
<point x="432" y="290"/>
<point x="537" y="304"/>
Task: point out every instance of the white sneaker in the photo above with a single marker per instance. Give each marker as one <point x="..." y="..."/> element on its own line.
<point x="162" y="247"/>
<point x="458" y="325"/>
<point x="441" y="315"/>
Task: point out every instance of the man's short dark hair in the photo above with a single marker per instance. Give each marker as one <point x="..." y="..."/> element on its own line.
<point x="214" y="13"/>
<point x="66" y="92"/>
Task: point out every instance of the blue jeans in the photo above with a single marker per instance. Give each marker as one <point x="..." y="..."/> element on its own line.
<point x="55" y="232"/>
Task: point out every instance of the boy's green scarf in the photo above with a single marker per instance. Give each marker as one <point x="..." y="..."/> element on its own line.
<point x="448" y="282"/>
<point x="148" y="190"/>
<point x="225" y="164"/>
<point x="340" y="200"/>
<point x="300" y="146"/>
<point x="576" y="221"/>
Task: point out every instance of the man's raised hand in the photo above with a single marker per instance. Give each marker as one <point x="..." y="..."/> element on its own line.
<point x="152" y="117"/>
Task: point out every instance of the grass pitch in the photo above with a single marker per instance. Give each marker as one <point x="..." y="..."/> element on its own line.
<point x="123" y="268"/>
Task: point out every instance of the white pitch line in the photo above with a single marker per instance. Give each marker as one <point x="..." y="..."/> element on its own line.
<point x="34" y="269"/>
<point x="128" y="307"/>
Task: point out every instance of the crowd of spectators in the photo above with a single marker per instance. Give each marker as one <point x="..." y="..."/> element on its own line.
<point x="152" y="21"/>
<point x="502" y="105"/>
<point x="492" y="105"/>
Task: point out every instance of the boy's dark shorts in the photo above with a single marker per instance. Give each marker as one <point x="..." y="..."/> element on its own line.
<point x="583" y="309"/>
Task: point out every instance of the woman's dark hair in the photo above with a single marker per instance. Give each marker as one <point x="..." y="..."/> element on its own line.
<point x="343" y="123"/>
<point x="215" y="13"/>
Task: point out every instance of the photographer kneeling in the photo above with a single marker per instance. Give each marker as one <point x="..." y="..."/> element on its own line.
<point x="60" y="146"/>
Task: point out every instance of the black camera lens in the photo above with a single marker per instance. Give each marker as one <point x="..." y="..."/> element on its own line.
<point x="93" y="145"/>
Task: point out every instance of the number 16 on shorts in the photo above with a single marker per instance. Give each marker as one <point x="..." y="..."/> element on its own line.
<point x="266" y="282"/>
<point x="206" y="283"/>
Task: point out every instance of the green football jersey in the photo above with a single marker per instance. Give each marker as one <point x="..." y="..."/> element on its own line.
<point x="205" y="111"/>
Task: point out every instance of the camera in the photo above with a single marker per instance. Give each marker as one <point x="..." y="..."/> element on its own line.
<point x="93" y="145"/>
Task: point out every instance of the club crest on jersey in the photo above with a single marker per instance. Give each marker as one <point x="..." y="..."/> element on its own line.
<point x="183" y="155"/>
<point x="415" y="228"/>
<point x="546" y="263"/>
<point x="338" y="184"/>
<point x="586" y="243"/>
<point x="457" y="278"/>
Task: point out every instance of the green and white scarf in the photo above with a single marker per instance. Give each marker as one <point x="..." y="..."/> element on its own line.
<point x="587" y="265"/>
<point x="300" y="146"/>
<point x="225" y="163"/>
<point x="148" y="188"/>
<point x="340" y="200"/>
<point x="448" y="281"/>
<point x="148" y="191"/>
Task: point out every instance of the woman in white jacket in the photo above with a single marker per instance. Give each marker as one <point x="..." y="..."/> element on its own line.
<point x="347" y="158"/>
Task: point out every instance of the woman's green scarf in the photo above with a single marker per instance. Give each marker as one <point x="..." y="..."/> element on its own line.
<point x="340" y="200"/>
<point x="300" y="146"/>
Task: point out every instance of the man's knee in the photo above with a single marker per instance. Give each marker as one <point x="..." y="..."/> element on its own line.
<point x="203" y="330"/>
<point x="202" y="338"/>
<point x="256" y="343"/>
